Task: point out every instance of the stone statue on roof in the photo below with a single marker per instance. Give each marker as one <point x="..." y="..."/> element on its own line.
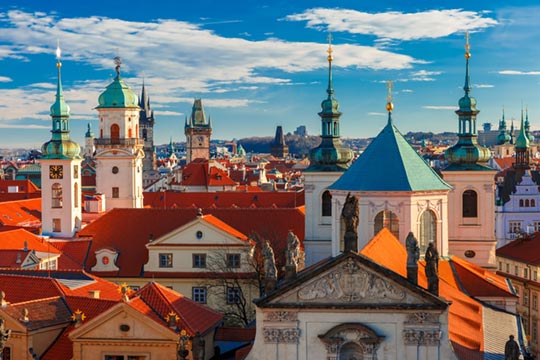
<point x="350" y="214"/>
<point x="270" y="270"/>
<point x="413" y="254"/>
<point x="4" y="335"/>
<point x="432" y="269"/>
<point x="511" y="349"/>
<point x="293" y="250"/>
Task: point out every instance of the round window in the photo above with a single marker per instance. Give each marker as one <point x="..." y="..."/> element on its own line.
<point x="199" y="234"/>
<point x="115" y="170"/>
<point x="470" y="253"/>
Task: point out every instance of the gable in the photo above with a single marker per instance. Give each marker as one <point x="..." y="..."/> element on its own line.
<point x="354" y="282"/>
<point x="201" y="232"/>
<point x="121" y="323"/>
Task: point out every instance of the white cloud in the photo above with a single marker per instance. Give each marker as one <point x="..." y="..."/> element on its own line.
<point x="19" y="126"/>
<point x="483" y="86"/>
<point x="168" y="113"/>
<point x="395" y="25"/>
<point x="517" y="72"/>
<point x="407" y="91"/>
<point x="5" y="79"/>
<point x="423" y="75"/>
<point x="437" y="107"/>
<point x="377" y="114"/>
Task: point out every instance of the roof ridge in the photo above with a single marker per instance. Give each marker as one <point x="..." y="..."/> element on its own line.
<point x="36" y="300"/>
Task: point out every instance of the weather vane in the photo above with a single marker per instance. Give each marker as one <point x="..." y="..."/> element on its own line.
<point x="117" y="62"/>
<point x="467" y="46"/>
<point x="389" y="105"/>
<point x="329" y="51"/>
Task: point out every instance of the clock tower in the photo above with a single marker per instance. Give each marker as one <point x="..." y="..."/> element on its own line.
<point x="119" y="149"/>
<point x="60" y="173"/>
<point x="198" y="132"/>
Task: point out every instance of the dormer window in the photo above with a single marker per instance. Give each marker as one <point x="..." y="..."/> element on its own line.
<point x="106" y="260"/>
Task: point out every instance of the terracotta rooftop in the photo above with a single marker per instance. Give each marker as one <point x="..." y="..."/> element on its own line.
<point x="523" y="250"/>
<point x="22" y="213"/>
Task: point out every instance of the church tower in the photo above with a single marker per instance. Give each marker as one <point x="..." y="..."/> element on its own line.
<point x="472" y="200"/>
<point x="60" y="172"/>
<point x="119" y="150"/>
<point x="198" y="132"/>
<point x="279" y="148"/>
<point x="89" y="146"/>
<point x="146" y="129"/>
<point x="328" y="162"/>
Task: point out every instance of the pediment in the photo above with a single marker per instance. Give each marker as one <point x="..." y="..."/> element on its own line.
<point x="352" y="281"/>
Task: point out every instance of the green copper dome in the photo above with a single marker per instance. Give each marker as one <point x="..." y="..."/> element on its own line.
<point x="467" y="103"/>
<point x="60" y="149"/>
<point x="467" y="152"/>
<point x="503" y="138"/>
<point x="522" y="141"/>
<point x="118" y="95"/>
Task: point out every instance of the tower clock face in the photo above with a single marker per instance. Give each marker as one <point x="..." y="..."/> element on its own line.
<point x="56" y="172"/>
<point x="200" y="139"/>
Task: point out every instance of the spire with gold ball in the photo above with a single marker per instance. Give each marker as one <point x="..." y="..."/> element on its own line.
<point x="467" y="154"/>
<point x="331" y="155"/>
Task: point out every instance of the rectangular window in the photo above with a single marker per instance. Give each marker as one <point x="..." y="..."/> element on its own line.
<point x="535" y="302"/>
<point x="534" y="332"/>
<point x="535" y="275"/>
<point x="500" y="265"/>
<point x="514" y="226"/>
<point x="526" y="273"/>
<point x="56" y="225"/>
<point x="525" y="298"/>
<point x="165" y="260"/>
<point x="199" y="261"/>
<point x="6" y="353"/>
<point x="233" y="260"/>
<point x="536" y="225"/>
<point x="508" y="268"/>
<point x="75" y="171"/>
<point x="516" y="270"/>
<point x="115" y="192"/>
<point x="233" y="295"/>
<point x="199" y="294"/>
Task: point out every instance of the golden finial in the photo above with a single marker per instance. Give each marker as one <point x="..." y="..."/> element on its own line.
<point x="58" y="53"/>
<point x="78" y="316"/>
<point x="329" y="51"/>
<point x="467" y="46"/>
<point x="389" y="105"/>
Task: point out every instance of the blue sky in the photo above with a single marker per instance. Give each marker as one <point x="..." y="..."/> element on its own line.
<point x="258" y="64"/>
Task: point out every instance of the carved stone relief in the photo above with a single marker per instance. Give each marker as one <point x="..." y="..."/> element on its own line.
<point x="281" y="335"/>
<point x="422" y="318"/>
<point x="350" y="283"/>
<point x="280" y="316"/>
<point x="362" y="336"/>
<point x="424" y="337"/>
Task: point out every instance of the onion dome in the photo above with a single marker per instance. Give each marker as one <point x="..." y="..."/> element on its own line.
<point x="467" y="154"/>
<point x="118" y="94"/>
<point x="60" y="146"/>
<point x="530" y="136"/>
<point x="522" y="141"/>
<point x="503" y="136"/>
<point x="331" y="154"/>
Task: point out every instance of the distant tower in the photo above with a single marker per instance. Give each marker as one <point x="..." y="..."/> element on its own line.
<point x="522" y="148"/>
<point x="119" y="150"/>
<point x="89" y="146"/>
<point x="528" y="133"/>
<point x="60" y="172"/>
<point x="198" y="132"/>
<point x="328" y="162"/>
<point x="503" y="137"/>
<point x="146" y="130"/>
<point x="471" y="204"/>
<point x="279" y="148"/>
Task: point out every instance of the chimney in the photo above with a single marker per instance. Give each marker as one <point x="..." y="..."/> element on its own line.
<point x="94" y="294"/>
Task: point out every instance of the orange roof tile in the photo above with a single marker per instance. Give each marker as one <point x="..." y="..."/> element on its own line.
<point x="22" y="213"/>
<point x="212" y="220"/>
<point x="235" y="334"/>
<point x="524" y="250"/>
<point x="43" y="312"/>
<point x="193" y="317"/>
<point x="74" y="249"/>
<point x="18" y="239"/>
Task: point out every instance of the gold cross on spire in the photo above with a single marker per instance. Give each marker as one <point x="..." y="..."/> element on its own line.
<point x="467" y="46"/>
<point x="329" y="51"/>
<point x="389" y="105"/>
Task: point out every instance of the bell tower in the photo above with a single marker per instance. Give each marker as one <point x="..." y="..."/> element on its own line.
<point x="198" y="132"/>
<point x="60" y="172"/>
<point x="119" y="149"/>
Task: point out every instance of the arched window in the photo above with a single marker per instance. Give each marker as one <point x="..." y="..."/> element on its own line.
<point x="351" y="350"/>
<point x="527" y="203"/>
<point x="520" y="202"/>
<point x="101" y="133"/>
<point x="76" y="195"/>
<point x="533" y="203"/>
<point x="326" y="203"/>
<point x="115" y="134"/>
<point x="387" y="219"/>
<point x="470" y="204"/>
<point x="130" y="133"/>
<point x="56" y="196"/>
<point x="145" y="134"/>
<point x="428" y="229"/>
<point x="136" y="130"/>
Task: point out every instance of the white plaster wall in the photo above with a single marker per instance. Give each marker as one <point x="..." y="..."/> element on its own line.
<point x="69" y="215"/>
<point x="476" y="234"/>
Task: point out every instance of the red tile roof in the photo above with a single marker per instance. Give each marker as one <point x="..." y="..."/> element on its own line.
<point x="228" y="199"/>
<point x="19" y="239"/>
<point x="201" y="172"/>
<point x="193" y="317"/>
<point x="212" y="220"/>
<point x="14" y="259"/>
<point x="43" y="312"/>
<point x="74" y="249"/>
<point x="24" y="186"/>
<point x="128" y="231"/>
<point x="465" y="314"/>
<point x="21" y="213"/>
<point x="235" y="334"/>
<point x="523" y="250"/>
